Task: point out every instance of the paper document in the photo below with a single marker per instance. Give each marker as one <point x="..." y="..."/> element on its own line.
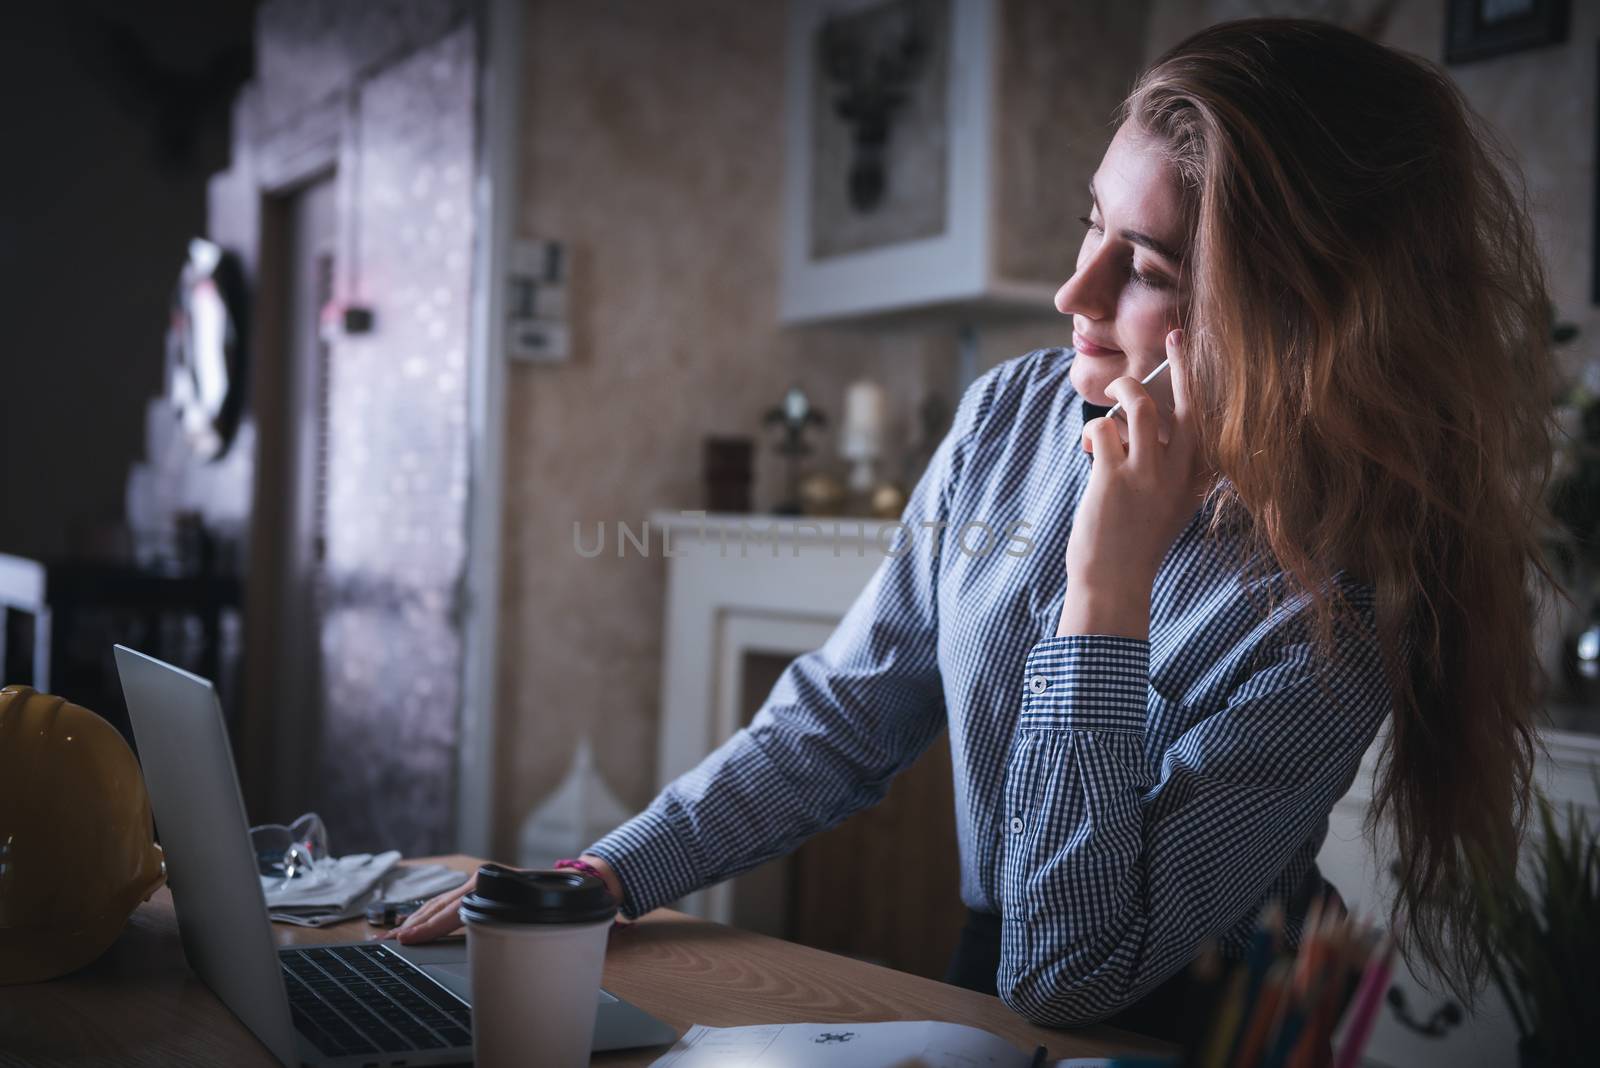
<point x="341" y="888"/>
<point x="911" y="1044"/>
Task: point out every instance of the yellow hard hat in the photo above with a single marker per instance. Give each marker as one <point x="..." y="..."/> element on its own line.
<point x="77" y="842"/>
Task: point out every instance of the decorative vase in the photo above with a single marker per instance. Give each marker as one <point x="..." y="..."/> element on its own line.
<point x="822" y="494"/>
<point x="888" y="501"/>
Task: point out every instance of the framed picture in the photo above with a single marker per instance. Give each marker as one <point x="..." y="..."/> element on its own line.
<point x="1477" y="29"/>
<point x="888" y="123"/>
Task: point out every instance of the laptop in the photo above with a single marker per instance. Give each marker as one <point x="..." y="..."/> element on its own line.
<point x="363" y="1003"/>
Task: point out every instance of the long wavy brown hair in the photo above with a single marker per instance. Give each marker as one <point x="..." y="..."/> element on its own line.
<point x="1367" y="337"/>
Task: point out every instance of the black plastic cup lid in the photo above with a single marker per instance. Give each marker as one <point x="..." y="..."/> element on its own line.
<point x="503" y="895"/>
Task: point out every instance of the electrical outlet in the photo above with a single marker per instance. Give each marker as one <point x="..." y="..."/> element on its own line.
<point x="537" y="330"/>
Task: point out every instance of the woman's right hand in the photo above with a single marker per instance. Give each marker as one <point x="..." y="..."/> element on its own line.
<point x="440" y="916"/>
<point x="435" y="919"/>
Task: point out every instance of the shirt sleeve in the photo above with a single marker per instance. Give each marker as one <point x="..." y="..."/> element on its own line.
<point x="840" y="723"/>
<point x="1117" y="867"/>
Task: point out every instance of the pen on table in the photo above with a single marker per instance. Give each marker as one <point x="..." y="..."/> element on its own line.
<point x="1145" y="381"/>
<point x="1038" y="1058"/>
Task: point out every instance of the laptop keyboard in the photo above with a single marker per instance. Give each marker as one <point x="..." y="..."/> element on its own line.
<point x="361" y="999"/>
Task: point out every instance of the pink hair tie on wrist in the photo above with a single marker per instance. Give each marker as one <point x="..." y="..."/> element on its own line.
<point x="583" y="867"/>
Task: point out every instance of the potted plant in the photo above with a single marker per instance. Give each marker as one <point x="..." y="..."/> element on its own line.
<point x="1541" y="941"/>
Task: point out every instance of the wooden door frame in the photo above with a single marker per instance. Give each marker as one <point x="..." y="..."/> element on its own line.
<point x="496" y="196"/>
<point x="320" y="141"/>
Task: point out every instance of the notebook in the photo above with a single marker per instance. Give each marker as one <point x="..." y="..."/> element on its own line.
<point x="922" y="1043"/>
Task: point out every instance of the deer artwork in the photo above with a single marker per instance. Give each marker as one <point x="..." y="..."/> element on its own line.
<point x="874" y="58"/>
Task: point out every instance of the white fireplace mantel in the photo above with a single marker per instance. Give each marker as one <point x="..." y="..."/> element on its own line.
<point x="739" y="585"/>
<point x="770" y="583"/>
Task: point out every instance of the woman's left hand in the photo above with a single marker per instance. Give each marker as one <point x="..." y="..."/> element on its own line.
<point x="1139" y="499"/>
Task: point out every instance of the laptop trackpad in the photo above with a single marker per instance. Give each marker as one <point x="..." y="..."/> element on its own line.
<point x="445" y="962"/>
<point x="453" y="977"/>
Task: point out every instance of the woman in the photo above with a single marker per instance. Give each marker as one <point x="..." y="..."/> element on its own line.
<point x="1331" y="525"/>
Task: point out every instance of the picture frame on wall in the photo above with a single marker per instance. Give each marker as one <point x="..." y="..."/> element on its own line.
<point x="1479" y="29"/>
<point x="886" y="142"/>
<point x="913" y="132"/>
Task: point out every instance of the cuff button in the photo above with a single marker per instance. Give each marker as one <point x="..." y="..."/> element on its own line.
<point x="1038" y="684"/>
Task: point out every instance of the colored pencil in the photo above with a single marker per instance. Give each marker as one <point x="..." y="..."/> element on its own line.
<point x="1279" y="1008"/>
<point x="1229" y="1015"/>
<point x="1263" y="1017"/>
<point x="1290" y="1029"/>
<point x="1309" y="956"/>
<point x="1263" y="948"/>
<point x="1347" y="958"/>
<point x="1364" y="1011"/>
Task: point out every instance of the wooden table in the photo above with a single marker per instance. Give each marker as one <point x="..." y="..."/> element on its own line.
<point x="139" y="1004"/>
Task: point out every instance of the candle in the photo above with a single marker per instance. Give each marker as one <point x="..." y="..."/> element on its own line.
<point x="865" y="422"/>
<point x="864" y="407"/>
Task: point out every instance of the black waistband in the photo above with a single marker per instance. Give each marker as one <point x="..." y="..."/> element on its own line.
<point x="984" y="923"/>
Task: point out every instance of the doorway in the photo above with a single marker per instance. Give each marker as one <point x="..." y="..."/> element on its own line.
<point x="368" y="228"/>
<point x="309" y="221"/>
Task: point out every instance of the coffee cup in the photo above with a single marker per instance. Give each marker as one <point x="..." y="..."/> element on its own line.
<point x="536" y="943"/>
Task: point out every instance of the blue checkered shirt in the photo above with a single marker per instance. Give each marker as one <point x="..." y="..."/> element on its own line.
<point x="1118" y="800"/>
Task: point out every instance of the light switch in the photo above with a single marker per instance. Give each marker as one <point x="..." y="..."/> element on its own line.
<point x="537" y="330"/>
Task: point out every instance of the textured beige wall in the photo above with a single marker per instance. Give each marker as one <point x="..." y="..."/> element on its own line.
<point x="1067" y="67"/>
<point x="653" y="146"/>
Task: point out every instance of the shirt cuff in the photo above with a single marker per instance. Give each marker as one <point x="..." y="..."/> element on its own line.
<point x="652" y="861"/>
<point x="1091" y="682"/>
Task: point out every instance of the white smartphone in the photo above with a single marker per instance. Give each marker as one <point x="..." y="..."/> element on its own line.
<point x="1159" y="385"/>
<point x="1161" y="392"/>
